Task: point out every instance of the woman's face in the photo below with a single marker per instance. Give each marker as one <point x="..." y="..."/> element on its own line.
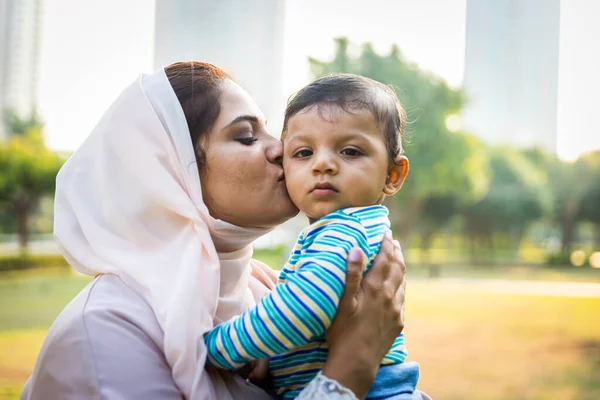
<point x="242" y="180"/>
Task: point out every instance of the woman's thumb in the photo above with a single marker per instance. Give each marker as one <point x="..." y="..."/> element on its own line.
<point x="354" y="270"/>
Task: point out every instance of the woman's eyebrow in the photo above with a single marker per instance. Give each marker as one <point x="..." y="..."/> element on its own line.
<point x="250" y="118"/>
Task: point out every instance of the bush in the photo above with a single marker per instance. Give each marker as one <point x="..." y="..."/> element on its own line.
<point x="563" y="259"/>
<point x="21" y="262"/>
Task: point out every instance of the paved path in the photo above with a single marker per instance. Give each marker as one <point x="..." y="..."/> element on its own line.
<point x="534" y="288"/>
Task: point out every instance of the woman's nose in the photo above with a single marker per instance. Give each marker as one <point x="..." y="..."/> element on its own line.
<point x="275" y="152"/>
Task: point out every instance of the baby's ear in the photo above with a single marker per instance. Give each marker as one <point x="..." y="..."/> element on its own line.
<point x="396" y="175"/>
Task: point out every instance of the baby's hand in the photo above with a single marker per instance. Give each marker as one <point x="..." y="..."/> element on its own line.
<point x="258" y="371"/>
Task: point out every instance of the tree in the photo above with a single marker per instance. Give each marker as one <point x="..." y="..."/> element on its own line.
<point x="27" y="171"/>
<point x="16" y="125"/>
<point x="570" y="182"/>
<point x="443" y="163"/>
<point x="590" y="200"/>
<point x="517" y="196"/>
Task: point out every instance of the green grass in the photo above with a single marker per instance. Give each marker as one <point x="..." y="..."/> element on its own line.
<point x="275" y="258"/>
<point x="34" y="298"/>
<point x="470" y="345"/>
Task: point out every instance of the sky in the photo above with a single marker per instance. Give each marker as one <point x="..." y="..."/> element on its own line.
<point x="92" y="50"/>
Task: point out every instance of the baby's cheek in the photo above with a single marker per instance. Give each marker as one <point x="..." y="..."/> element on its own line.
<point x="294" y="190"/>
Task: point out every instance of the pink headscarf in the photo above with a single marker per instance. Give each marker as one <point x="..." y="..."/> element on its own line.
<point x="129" y="203"/>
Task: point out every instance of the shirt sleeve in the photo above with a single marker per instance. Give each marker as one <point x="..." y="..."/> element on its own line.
<point x="324" y="388"/>
<point x="302" y="305"/>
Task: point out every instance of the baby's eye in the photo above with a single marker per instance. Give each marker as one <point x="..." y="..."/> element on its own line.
<point x="303" y="153"/>
<point x="351" y="152"/>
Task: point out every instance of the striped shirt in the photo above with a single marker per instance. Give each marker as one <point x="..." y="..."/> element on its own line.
<point x="289" y="324"/>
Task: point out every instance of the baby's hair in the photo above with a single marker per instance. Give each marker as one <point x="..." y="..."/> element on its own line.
<point x="350" y="93"/>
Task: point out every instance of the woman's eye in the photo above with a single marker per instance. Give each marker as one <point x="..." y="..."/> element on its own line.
<point x="303" y="154"/>
<point x="351" y="152"/>
<point x="246" y="141"/>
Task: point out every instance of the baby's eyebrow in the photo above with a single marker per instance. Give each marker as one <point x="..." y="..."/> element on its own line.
<point x="298" y="137"/>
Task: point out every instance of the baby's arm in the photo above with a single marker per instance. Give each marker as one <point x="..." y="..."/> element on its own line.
<point x="299" y="309"/>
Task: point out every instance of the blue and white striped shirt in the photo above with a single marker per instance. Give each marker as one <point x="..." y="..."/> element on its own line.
<point x="289" y="324"/>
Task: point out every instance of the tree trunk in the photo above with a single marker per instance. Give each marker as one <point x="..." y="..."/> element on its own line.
<point x="516" y="237"/>
<point x="22" y="228"/>
<point x="567" y="226"/>
<point x="22" y="206"/>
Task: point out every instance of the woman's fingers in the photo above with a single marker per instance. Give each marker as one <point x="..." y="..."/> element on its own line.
<point x="368" y="319"/>
<point x="354" y="270"/>
<point x="397" y="266"/>
<point x="260" y="371"/>
<point x="382" y="265"/>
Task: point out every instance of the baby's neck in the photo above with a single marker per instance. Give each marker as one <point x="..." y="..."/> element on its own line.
<point x="313" y="219"/>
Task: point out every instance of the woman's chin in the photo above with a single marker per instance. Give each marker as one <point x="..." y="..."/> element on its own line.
<point x="278" y="215"/>
<point x="286" y="214"/>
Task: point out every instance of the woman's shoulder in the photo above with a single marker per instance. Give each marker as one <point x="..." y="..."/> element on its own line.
<point x="106" y="302"/>
<point x="104" y="341"/>
<point x="111" y="304"/>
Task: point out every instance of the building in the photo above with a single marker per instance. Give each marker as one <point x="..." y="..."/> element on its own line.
<point x="20" y="38"/>
<point x="511" y="71"/>
<point x="243" y="37"/>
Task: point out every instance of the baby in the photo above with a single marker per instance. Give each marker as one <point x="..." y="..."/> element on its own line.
<point x="342" y="139"/>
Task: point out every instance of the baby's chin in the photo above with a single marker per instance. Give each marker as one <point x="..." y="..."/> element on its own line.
<point x="317" y="213"/>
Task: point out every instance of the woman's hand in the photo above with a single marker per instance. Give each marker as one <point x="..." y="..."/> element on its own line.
<point x="260" y="371"/>
<point x="369" y="317"/>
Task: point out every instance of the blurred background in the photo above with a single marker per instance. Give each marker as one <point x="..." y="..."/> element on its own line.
<point x="499" y="218"/>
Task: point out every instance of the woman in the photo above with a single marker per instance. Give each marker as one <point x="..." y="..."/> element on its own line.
<point x="161" y="203"/>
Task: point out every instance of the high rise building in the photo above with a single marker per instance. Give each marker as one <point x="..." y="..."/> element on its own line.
<point x="20" y="37"/>
<point x="243" y="37"/>
<point x="511" y="71"/>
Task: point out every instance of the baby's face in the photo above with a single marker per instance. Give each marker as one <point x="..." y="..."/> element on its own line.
<point x="333" y="159"/>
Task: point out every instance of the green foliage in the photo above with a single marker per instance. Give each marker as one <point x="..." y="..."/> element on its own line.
<point x="590" y="200"/>
<point x="28" y="261"/>
<point x="27" y="172"/>
<point x="446" y="168"/>
<point x="17" y="125"/>
<point x="274" y="257"/>
<point x="562" y="259"/>
<point x="500" y="192"/>
<point x="572" y="186"/>
<point x="517" y="193"/>
<point x="442" y="162"/>
<point x="28" y="167"/>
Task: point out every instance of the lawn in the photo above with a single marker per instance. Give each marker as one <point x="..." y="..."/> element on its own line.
<point x="470" y="345"/>
<point x="495" y="346"/>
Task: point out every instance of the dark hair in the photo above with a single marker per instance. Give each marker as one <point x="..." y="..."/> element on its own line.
<point x="350" y="93"/>
<point x="197" y="86"/>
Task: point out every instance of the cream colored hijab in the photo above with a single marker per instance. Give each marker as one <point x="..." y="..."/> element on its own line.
<point x="129" y="203"/>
